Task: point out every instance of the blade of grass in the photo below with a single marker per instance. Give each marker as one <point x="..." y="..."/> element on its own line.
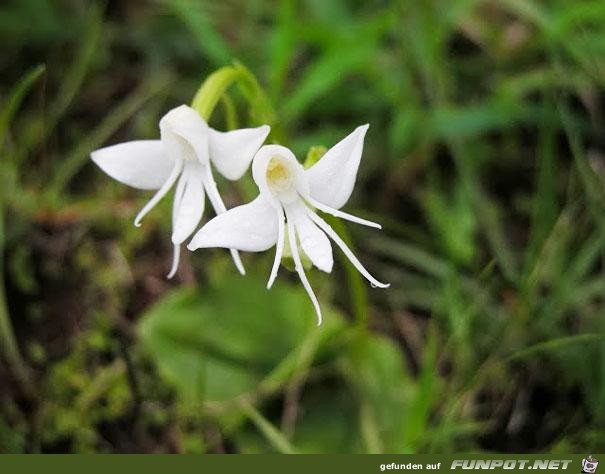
<point x="208" y="38"/>
<point x="555" y="344"/>
<point x="11" y="105"/>
<point x="70" y="84"/>
<point x="8" y="342"/>
<point x="7" y="336"/>
<point x="78" y="156"/>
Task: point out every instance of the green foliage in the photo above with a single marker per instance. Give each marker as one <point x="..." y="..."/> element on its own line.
<point x="212" y="350"/>
<point x="483" y="163"/>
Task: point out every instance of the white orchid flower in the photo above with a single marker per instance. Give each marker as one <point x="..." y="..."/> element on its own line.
<point x="184" y="152"/>
<point x="286" y="207"/>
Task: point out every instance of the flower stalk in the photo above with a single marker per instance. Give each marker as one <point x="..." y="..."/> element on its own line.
<point x="213" y="88"/>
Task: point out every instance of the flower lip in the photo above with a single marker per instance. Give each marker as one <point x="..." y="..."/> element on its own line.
<point x="279" y="176"/>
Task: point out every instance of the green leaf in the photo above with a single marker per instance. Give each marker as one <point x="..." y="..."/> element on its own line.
<point x="220" y="342"/>
<point x="557" y="344"/>
<point x="325" y="74"/>
<point x="473" y="120"/>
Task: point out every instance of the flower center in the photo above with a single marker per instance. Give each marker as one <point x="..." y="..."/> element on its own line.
<point x="279" y="176"/>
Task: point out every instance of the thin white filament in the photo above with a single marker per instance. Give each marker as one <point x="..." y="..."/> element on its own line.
<point x="279" y="248"/>
<point x="219" y="208"/>
<point x="174" y="174"/>
<point x="176" y="257"/>
<point x="346" y="250"/>
<point x="342" y="215"/>
<point x="300" y="270"/>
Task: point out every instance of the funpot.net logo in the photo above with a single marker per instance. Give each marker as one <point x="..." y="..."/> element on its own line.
<point x="516" y="464"/>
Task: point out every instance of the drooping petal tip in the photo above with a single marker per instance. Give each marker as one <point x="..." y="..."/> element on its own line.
<point x="175" y="261"/>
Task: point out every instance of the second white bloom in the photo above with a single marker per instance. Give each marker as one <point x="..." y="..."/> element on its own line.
<point x="286" y="208"/>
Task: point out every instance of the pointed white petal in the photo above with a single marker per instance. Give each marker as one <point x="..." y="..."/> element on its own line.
<point x="342" y="215"/>
<point x="142" y="164"/>
<point x="176" y="256"/>
<point x="157" y="197"/>
<point x="323" y="225"/>
<point x="231" y="152"/>
<point x="300" y="270"/>
<point x="189" y="206"/>
<point x="219" y="208"/>
<point x="313" y="241"/>
<point x="185" y="134"/>
<point x="251" y="227"/>
<point x="332" y="178"/>
<point x="279" y="248"/>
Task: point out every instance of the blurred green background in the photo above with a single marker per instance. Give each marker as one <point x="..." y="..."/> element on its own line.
<point x="484" y="162"/>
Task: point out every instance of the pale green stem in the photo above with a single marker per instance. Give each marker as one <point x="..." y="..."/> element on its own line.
<point x="212" y="89"/>
<point x="270" y="432"/>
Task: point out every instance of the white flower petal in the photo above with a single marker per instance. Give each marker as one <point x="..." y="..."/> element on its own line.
<point x="142" y="164"/>
<point x="231" y="152"/>
<point x="313" y="241"/>
<point x="251" y="227"/>
<point x="332" y="178"/>
<point x="300" y="270"/>
<point x="189" y="205"/>
<point x="185" y="134"/>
